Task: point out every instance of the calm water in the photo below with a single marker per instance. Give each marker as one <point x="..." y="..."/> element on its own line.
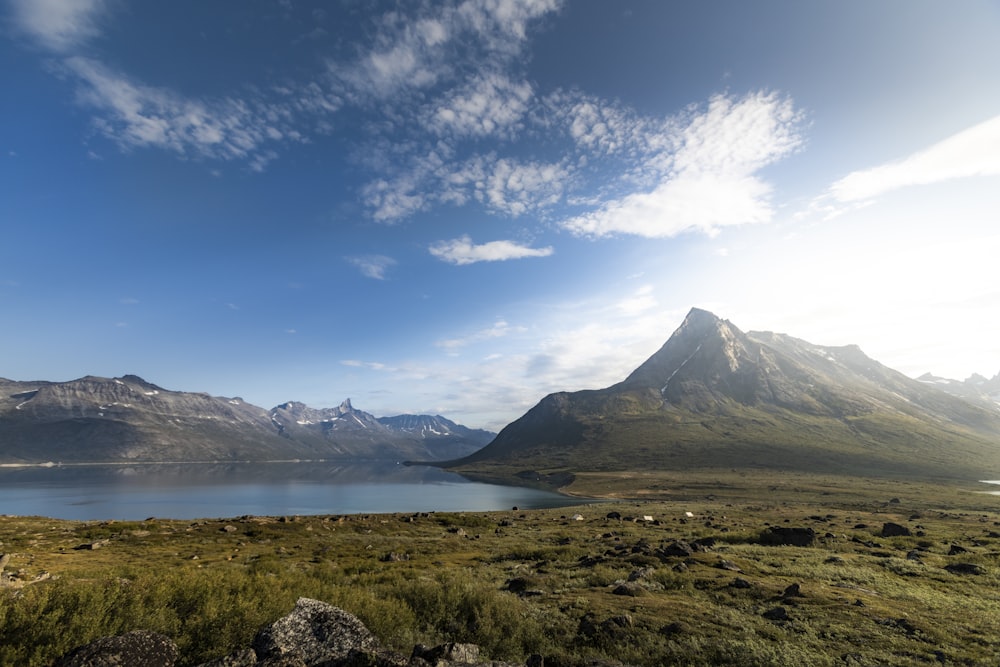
<point x="190" y="491"/>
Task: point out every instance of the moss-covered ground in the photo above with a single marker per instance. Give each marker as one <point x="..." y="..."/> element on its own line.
<point x="519" y="582"/>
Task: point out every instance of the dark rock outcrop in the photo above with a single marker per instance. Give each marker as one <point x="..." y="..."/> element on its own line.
<point x="890" y="529"/>
<point x="139" y="648"/>
<point x="316" y="632"/>
<point x="782" y="535"/>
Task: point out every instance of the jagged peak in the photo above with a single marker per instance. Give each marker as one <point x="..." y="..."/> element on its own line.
<point x="346" y="406"/>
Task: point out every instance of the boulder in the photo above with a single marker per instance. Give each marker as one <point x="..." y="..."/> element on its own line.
<point x="890" y="529"/>
<point x="678" y="549"/>
<point x="776" y="614"/>
<point x="788" y="536"/>
<point x="315" y="632"/>
<point x="140" y="648"/>
<point x="447" y="653"/>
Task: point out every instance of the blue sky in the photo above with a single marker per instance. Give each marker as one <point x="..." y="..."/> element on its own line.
<point x="459" y="207"/>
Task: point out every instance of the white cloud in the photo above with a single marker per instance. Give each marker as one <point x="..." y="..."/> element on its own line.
<point x="972" y="152"/>
<point x="416" y="51"/>
<point x="393" y="200"/>
<point x="499" y="329"/>
<point x="462" y="251"/>
<point x="373" y="266"/>
<point x="515" y="188"/>
<point x="711" y="182"/>
<point x="59" y="25"/>
<point x="137" y="116"/>
<point x="641" y="301"/>
<point x="488" y="105"/>
<point x="370" y="365"/>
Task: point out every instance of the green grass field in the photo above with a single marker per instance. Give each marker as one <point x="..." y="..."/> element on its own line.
<point x="522" y="582"/>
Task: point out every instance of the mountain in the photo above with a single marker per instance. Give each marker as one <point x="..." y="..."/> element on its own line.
<point x="713" y="396"/>
<point x="96" y="419"/>
<point x="974" y="388"/>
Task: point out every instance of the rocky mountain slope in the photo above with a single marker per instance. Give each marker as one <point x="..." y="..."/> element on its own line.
<point x="976" y="388"/>
<point x="714" y="396"/>
<point x="129" y="419"/>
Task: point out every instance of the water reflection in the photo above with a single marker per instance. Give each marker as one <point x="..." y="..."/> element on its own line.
<point x="189" y="491"/>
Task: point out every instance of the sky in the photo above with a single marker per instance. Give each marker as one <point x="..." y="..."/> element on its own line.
<point x="458" y="207"/>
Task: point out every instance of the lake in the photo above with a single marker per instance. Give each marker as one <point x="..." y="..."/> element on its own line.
<point x="211" y="490"/>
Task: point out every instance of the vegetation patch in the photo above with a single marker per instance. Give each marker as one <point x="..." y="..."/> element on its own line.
<point x="695" y="575"/>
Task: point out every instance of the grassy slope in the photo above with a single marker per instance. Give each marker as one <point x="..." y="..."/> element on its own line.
<point x="884" y="444"/>
<point x="210" y="588"/>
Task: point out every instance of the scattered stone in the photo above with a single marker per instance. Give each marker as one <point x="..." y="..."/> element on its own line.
<point x="451" y="652"/>
<point x="242" y="658"/>
<point x="630" y="589"/>
<point x="641" y="573"/>
<point x="394" y="557"/>
<point x="956" y="550"/>
<point x="793" y="591"/>
<point x="315" y="632"/>
<point x="675" y="628"/>
<point x="740" y="582"/>
<point x="788" y="536"/>
<point x="965" y="568"/>
<point x="914" y="555"/>
<point x="92" y="546"/>
<point x="613" y="516"/>
<point x="724" y="564"/>
<point x="776" y="614"/>
<point x="139" y="648"/>
<point x="890" y="529"/>
<point x="679" y="548"/>
<point x="520" y="585"/>
<point x="228" y="528"/>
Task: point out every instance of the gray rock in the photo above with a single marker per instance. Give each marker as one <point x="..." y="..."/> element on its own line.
<point x="784" y="535"/>
<point x="446" y="653"/>
<point x="965" y="568"/>
<point x="140" y="648"/>
<point x="316" y="632"/>
<point x="680" y="548"/>
<point x="776" y="614"/>
<point x="243" y="658"/>
<point x="890" y="529"/>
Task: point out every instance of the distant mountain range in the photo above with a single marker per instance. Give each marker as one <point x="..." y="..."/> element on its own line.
<point x="716" y="397"/>
<point x="975" y="388"/>
<point x="96" y="419"/>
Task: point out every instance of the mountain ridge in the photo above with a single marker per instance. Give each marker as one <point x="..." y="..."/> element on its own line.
<point x="97" y="419"/>
<point x="714" y="396"/>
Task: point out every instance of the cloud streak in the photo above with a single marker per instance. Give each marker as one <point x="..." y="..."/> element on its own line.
<point x="712" y="179"/>
<point x="137" y="116"/>
<point x="373" y="266"/>
<point x="59" y="25"/>
<point x="463" y="251"/>
<point x="972" y="152"/>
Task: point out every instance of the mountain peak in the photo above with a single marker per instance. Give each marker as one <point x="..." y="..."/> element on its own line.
<point x="346" y="406"/>
<point x="704" y="344"/>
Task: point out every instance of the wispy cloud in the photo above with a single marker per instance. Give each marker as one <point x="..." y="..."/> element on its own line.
<point x="373" y="266"/>
<point x="499" y="329"/>
<point x="463" y="251"/>
<point x="490" y="104"/>
<point x="59" y="25"/>
<point x="972" y="152"/>
<point x="137" y="116"/>
<point x="712" y="181"/>
<point x="416" y="50"/>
